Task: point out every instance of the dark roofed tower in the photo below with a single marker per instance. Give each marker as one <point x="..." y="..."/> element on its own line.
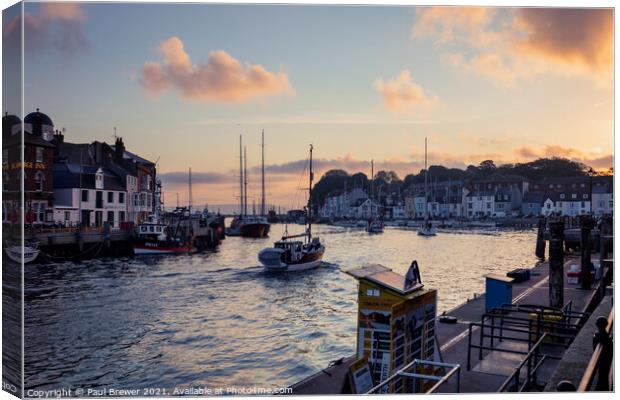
<point x="10" y="125"/>
<point x="39" y="124"/>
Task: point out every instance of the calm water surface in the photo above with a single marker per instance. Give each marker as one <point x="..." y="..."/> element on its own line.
<point x="217" y="319"/>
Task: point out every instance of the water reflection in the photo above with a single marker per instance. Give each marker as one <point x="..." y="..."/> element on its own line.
<point x="218" y="319"/>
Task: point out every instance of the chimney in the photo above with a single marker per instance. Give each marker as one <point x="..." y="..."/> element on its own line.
<point x="119" y="150"/>
<point x="58" y="136"/>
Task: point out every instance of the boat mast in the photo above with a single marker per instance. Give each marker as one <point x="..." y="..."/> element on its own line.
<point x="245" y="181"/>
<point x="190" y="191"/>
<point x="309" y="215"/>
<point x="262" y="205"/>
<point x="372" y="185"/>
<point x="425" y="182"/>
<point x="240" y="176"/>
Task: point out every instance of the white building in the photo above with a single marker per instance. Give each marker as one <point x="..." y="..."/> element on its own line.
<point x="89" y="195"/>
<point x="480" y="204"/>
<point x="602" y="200"/>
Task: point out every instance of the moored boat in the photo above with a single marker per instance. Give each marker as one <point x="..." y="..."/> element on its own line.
<point x="154" y="238"/>
<point x="30" y="251"/>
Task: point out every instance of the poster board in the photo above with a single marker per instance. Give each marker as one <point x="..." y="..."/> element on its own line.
<point x="359" y="377"/>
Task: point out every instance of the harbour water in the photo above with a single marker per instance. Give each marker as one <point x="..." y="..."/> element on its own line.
<point x="218" y="320"/>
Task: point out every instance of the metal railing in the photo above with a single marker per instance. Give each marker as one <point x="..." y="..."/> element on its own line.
<point x="601" y="360"/>
<point x="497" y="325"/>
<point x="415" y="376"/>
<point x="532" y="361"/>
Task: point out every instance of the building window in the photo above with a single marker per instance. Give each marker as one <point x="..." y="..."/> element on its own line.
<point x="84" y="195"/>
<point x="111" y="218"/>
<point x="121" y="216"/>
<point x="67" y="216"/>
<point x="121" y="198"/>
<point x="5" y="156"/>
<point x="574" y="195"/>
<point x="561" y="195"/>
<point x="585" y="195"/>
<point x="39" y="178"/>
<point x="583" y="204"/>
<point x="110" y="197"/>
<point x="39" y="154"/>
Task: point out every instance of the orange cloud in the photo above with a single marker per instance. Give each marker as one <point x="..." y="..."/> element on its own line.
<point x="221" y="79"/>
<point x="596" y="160"/>
<point x="449" y="24"/>
<point x="402" y="93"/>
<point x="508" y="45"/>
<point x="62" y="11"/>
<point x="568" y="35"/>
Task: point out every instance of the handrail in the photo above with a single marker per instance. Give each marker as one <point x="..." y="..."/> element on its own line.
<point x="594" y="364"/>
<point x="440" y="380"/>
<point x="515" y="375"/>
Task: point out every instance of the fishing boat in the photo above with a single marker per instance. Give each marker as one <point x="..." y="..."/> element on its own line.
<point x="427" y="228"/>
<point x="30" y="251"/>
<point x="288" y="254"/>
<point x="154" y="237"/>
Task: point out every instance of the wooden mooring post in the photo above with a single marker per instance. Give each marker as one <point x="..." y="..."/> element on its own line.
<point x="540" y="239"/>
<point x="556" y="264"/>
<point x="586" y="253"/>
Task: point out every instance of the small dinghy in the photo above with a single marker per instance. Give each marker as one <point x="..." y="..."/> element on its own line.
<point x="30" y="252"/>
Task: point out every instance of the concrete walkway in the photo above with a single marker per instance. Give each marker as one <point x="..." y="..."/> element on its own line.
<point x="488" y="373"/>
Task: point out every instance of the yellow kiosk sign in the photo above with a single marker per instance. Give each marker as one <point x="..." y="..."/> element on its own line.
<point x="396" y="321"/>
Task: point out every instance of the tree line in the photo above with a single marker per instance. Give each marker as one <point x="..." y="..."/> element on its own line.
<point x="389" y="182"/>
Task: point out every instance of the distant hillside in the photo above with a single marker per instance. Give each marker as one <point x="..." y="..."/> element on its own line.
<point x="556" y="167"/>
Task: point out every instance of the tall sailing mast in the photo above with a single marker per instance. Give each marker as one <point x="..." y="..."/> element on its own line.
<point x="262" y="204"/>
<point x="240" y="175"/>
<point x="425" y="182"/>
<point x="372" y="185"/>
<point x="190" y="191"/>
<point x="309" y="216"/>
<point x="245" y="181"/>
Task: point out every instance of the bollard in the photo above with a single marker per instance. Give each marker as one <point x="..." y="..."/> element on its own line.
<point x="540" y="240"/>
<point x="604" y="363"/>
<point x="586" y="253"/>
<point x="565" y="386"/>
<point x="556" y="264"/>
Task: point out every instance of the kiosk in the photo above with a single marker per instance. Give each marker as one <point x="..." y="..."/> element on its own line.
<point x="396" y="322"/>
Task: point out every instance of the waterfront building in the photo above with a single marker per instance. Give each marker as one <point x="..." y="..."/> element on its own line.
<point x="533" y="204"/>
<point x="89" y="195"/>
<point x="136" y="174"/>
<point x="36" y="168"/>
<point x="602" y="196"/>
<point x="480" y="203"/>
<point x="363" y="208"/>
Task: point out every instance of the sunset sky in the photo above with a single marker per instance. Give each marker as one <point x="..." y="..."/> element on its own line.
<point x="181" y="82"/>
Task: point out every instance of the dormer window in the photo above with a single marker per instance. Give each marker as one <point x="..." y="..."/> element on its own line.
<point x="99" y="179"/>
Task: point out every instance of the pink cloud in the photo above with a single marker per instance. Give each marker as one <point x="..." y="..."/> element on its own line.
<point x="222" y="79"/>
<point x="403" y="93"/>
<point x="55" y="26"/>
